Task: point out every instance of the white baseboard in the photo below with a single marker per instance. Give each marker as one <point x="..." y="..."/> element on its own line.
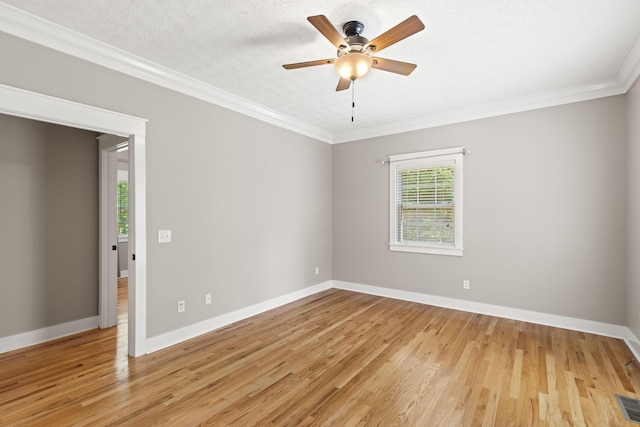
<point x="589" y="326"/>
<point x="49" y="333"/>
<point x="600" y="328"/>
<point x="124" y="273"/>
<point x="633" y="343"/>
<point x="174" y="337"/>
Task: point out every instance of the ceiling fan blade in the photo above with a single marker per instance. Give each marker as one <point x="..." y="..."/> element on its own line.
<point x="398" y="67"/>
<point x="327" y="29"/>
<point x="309" y="63"/>
<point x="343" y="84"/>
<point x="401" y="31"/>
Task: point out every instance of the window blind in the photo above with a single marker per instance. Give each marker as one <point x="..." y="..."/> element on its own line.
<point x="425" y="205"/>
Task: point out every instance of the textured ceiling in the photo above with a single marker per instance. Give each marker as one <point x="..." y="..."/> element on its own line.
<point x="471" y="54"/>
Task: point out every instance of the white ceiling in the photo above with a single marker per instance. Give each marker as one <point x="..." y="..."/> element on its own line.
<point x="475" y="58"/>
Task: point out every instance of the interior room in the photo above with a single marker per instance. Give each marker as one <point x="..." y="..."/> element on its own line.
<point x="200" y="227"/>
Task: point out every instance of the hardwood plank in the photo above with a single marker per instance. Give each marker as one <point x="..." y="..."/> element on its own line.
<point x="335" y="358"/>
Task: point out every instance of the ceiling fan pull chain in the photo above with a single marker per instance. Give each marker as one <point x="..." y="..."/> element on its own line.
<point x="353" y="97"/>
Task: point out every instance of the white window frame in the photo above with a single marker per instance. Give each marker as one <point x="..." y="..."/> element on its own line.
<point x="427" y="159"/>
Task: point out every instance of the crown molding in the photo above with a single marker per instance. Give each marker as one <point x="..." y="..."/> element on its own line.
<point x="630" y="70"/>
<point x="621" y="84"/>
<point x="24" y="25"/>
<point x="32" y="28"/>
<point x="482" y="111"/>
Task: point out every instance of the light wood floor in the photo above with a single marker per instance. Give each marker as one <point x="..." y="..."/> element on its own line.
<point x="336" y="358"/>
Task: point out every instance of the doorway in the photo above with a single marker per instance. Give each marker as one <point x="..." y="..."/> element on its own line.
<point x="114" y="224"/>
<point x="31" y="105"/>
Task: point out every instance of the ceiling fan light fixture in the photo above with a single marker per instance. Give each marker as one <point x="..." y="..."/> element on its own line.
<point x="354" y="57"/>
<point x="353" y="65"/>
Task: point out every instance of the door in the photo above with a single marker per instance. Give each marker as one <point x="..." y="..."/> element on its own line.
<point x="108" y="242"/>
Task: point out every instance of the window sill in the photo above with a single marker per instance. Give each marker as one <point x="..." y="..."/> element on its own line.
<point x="434" y="250"/>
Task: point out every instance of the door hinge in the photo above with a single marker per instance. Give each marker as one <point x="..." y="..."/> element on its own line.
<point x="114" y="247"/>
<point x="133" y="257"/>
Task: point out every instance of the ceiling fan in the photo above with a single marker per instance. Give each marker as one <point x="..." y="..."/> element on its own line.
<point x="355" y="53"/>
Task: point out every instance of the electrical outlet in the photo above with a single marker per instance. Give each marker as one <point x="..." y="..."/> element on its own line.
<point x="164" y="236"/>
<point x="207" y="299"/>
<point x="465" y="284"/>
<point x="181" y="306"/>
<point x="317" y="270"/>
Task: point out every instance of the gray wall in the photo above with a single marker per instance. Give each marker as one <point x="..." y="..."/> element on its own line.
<point x="48" y="224"/>
<point x="249" y="203"/>
<point x="123" y="257"/>
<point x="544" y="212"/>
<point x="633" y="291"/>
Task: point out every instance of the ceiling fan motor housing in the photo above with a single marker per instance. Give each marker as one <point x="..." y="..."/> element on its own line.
<point x="352" y="31"/>
<point x="353" y="62"/>
<point x="353" y="28"/>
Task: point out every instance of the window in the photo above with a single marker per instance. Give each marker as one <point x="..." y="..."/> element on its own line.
<point x="123" y="208"/>
<point x="426" y="202"/>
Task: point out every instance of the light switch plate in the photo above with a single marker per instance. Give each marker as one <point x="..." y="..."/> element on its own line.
<point x="164" y="236"/>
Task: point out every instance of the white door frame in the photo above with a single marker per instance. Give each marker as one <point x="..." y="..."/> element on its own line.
<point x="108" y="241"/>
<point x="32" y="105"/>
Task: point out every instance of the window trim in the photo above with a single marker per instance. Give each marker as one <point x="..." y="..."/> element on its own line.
<point x="427" y="159"/>
<point x="121" y="237"/>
